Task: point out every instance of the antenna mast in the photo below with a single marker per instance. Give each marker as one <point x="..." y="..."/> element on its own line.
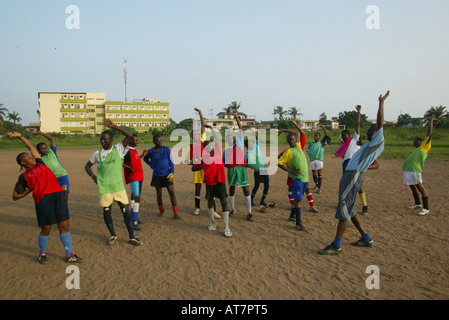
<point x="125" y="72"/>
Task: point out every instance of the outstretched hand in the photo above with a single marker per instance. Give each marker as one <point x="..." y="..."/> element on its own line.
<point x="36" y="133"/>
<point x="358" y="107"/>
<point x="197" y="110"/>
<point x="108" y="123"/>
<point x="382" y="98"/>
<point x="14" y="134"/>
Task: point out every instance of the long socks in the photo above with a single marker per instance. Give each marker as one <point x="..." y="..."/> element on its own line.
<point x="109" y="223"/>
<point x="43" y="241"/>
<point x="66" y="240"/>
<point x="310" y="199"/>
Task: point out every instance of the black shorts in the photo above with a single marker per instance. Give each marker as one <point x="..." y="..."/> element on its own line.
<point x="52" y="209"/>
<point x="160" y="182"/>
<point x="216" y="191"/>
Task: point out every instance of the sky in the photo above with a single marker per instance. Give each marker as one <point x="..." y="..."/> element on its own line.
<point x="318" y="56"/>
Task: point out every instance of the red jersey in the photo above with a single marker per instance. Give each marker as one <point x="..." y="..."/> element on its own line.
<point x="196" y="151"/>
<point x="41" y="180"/>
<point x="213" y="167"/>
<point x="133" y="160"/>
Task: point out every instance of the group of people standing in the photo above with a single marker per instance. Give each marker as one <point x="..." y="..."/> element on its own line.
<point x="120" y="164"/>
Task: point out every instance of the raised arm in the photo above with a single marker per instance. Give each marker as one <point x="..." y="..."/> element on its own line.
<point x="357" y="126"/>
<point x="203" y="123"/>
<point x="430" y="127"/>
<point x="325" y="130"/>
<point x="47" y="136"/>
<point x="236" y="116"/>
<point x="129" y="136"/>
<point x="380" y="112"/>
<point x="301" y="132"/>
<point x="28" y="144"/>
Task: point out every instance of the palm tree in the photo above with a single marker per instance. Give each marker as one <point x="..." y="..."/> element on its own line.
<point x="3" y="112"/>
<point x="438" y="113"/>
<point x="14" y="117"/>
<point x="294" y="112"/>
<point x="279" y="110"/>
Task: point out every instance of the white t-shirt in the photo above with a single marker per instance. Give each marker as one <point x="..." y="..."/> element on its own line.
<point x="104" y="153"/>
<point x="353" y="147"/>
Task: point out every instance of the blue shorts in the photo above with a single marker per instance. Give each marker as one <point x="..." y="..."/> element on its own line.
<point x="298" y="189"/>
<point x="64" y="183"/>
<point x="136" y="187"/>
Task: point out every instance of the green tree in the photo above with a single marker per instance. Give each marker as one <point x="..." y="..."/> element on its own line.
<point x="234" y="105"/>
<point x="3" y="113"/>
<point x="323" y="119"/>
<point x="349" y="119"/>
<point x="440" y="113"/>
<point x="279" y="110"/>
<point x="14" y="117"/>
<point x="294" y="113"/>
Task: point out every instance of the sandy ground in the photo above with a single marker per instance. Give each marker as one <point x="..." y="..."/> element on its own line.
<point x="267" y="259"/>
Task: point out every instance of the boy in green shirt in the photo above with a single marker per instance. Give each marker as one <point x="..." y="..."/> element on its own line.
<point x="294" y="161"/>
<point x="413" y="167"/>
<point x="51" y="160"/>
<point x="316" y="155"/>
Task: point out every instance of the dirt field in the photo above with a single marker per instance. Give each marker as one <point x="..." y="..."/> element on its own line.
<point x="267" y="259"/>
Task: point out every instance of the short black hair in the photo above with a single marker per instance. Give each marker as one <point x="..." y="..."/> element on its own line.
<point x="156" y="136"/>
<point x="109" y="133"/>
<point x="40" y="144"/>
<point x="291" y="134"/>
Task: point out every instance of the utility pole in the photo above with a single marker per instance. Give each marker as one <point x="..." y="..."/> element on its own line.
<point x="125" y="72"/>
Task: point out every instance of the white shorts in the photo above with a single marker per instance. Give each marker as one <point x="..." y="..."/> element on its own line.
<point x="412" y="178"/>
<point x="316" y="165"/>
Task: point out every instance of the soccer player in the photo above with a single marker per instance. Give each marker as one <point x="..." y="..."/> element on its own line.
<point x="352" y="181"/>
<point x="134" y="177"/>
<point x="51" y="160"/>
<point x="50" y="204"/>
<point x="413" y="167"/>
<point x="159" y="158"/>
<point x="254" y="159"/>
<point x="302" y="142"/>
<point x="316" y="155"/>
<point x="215" y="180"/>
<point x="196" y="149"/>
<point x="348" y="147"/>
<point x="109" y="179"/>
<point x="234" y="160"/>
<point x="294" y="161"/>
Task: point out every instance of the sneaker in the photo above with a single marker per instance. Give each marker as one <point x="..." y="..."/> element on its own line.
<point x="423" y="212"/>
<point x="216" y="216"/>
<point x="314" y="188"/>
<point x="314" y="210"/>
<point x="318" y="191"/>
<point x="43" y="259"/>
<point x="228" y="233"/>
<point x="364" y="210"/>
<point x="137" y="227"/>
<point x="264" y="204"/>
<point x="415" y="206"/>
<point x="196" y="212"/>
<point x="212" y="227"/>
<point x="160" y="214"/>
<point x="249" y="217"/>
<point x="232" y="212"/>
<point x="112" y="239"/>
<point x="292" y="218"/>
<point x="135" y="241"/>
<point x="300" y="227"/>
<point x="330" y="249"/>
<point x="73" y="258"/>
<point x="362" y="243"/>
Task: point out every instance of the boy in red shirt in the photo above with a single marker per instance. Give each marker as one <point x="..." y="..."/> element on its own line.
<point x="215" y="180"/>
<point x="134" y="177"/>
<point x="51" y="206"/>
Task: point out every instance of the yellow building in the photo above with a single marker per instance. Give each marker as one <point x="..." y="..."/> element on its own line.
<point x="83" y="112"/>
